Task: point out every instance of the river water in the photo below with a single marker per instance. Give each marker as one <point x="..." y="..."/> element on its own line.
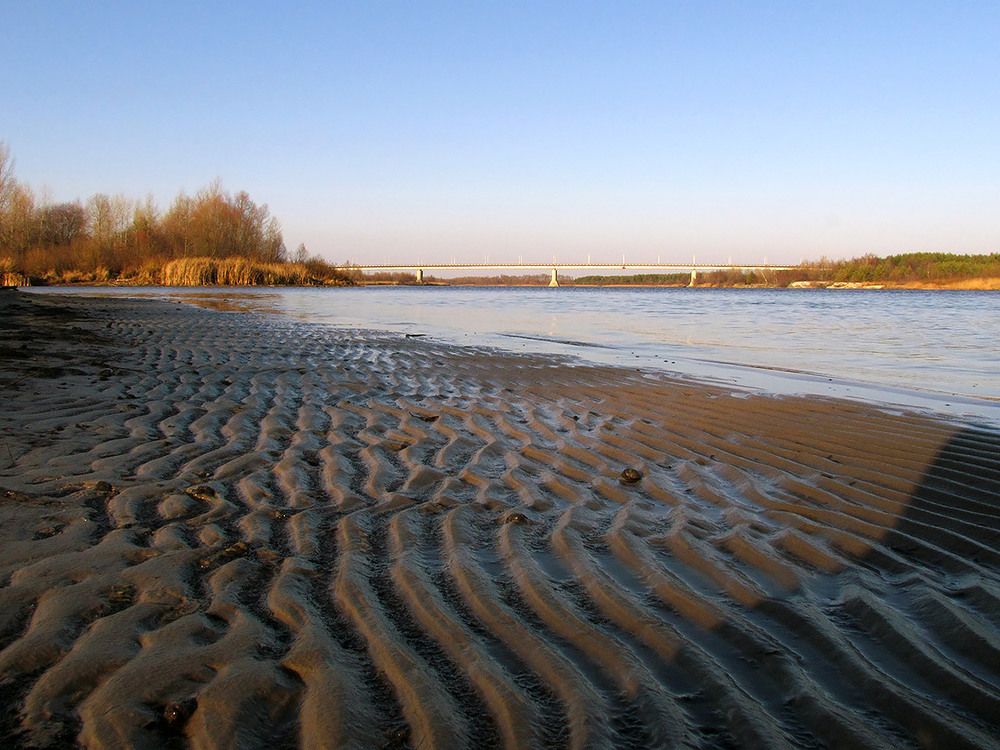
<point x="937" y="350"/>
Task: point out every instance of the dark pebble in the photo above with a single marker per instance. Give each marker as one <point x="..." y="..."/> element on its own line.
<point x="631" y="476"/>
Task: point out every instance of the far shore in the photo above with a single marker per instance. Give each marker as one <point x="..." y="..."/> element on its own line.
<point x="977" y="284"/>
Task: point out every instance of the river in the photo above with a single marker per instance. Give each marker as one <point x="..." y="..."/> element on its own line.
<point x="937" y="350"/>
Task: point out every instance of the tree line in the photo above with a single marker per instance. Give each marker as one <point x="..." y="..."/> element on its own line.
<point x="917" y="268"/>
<point x="116" y="238"/>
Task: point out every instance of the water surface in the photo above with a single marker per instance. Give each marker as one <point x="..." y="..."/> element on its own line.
<point x="937" y="349"/>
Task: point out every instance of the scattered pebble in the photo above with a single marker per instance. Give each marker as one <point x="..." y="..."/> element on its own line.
<point x="631" y="476"/>
<point x="176" y="713"/>
<point x="240" y="549"/>
<point x="397" y="737"/>
<point x="201" y="492"/>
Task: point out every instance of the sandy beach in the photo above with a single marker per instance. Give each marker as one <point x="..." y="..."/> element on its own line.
<point x="226" y="530"/>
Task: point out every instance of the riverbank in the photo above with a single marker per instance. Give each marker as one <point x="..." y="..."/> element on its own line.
<point x="963" y="285"/>
<point x="215" y="525"/>
<point x="977" y="284"/>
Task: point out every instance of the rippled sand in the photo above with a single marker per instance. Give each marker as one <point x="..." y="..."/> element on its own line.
<point x="218" y="530"/>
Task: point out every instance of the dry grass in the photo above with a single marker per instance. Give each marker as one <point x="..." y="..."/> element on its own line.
<point x="14" y="279"/>
<point x="233" y="272"/>
<point x="11" y="277"/>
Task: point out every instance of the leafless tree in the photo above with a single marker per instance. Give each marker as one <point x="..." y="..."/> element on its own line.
<point x="7" y="181"/>
<point x="62" y="223"/>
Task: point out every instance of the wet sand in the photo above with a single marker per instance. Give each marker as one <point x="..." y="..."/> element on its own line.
<point x="224" y="530"/>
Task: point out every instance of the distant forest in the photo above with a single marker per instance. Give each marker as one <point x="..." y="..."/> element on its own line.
<point x="218" y="238"/>
<point x="908" y="269"/>
<point x="917" y="268"/>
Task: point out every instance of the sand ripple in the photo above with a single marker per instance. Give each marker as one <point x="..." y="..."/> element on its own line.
<point x="221" y="530"/>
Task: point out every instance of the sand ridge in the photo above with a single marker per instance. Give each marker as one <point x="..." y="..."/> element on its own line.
<point x="225" y="530"/>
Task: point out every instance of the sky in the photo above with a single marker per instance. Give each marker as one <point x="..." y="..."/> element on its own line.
<point x="410" y="131"/>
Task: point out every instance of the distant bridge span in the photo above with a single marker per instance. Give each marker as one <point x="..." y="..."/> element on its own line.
<point x="694" y="268"/>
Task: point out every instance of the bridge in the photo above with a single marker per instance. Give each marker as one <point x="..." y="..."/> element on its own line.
<point x="694" y="268"/>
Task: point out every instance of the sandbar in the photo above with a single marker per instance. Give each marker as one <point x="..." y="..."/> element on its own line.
<point x="222" y="529"/>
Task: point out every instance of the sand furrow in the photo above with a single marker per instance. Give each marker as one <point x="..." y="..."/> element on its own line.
<point x="642" y="714"/>
<point x="434" y="719"/>
<point x="513" y="715"/>
<point x="587" y="723"/>
<point x="901" y="705"/>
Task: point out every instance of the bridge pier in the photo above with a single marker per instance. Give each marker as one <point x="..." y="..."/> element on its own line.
<point x="420" y="276"/>
<point x="694" y="277"/>
<point x="555" y="279"/>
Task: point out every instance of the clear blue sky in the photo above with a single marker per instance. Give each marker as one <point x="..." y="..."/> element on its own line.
<point x="403" y="130"/>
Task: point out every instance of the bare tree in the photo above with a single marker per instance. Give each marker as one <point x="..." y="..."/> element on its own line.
<point x="19" y="227"/>
<point x="7" y="181"/>
<point x="147" y="234"/>
<point x="62" y="223"/>
<point x="109" y="219"/>
<point x="8" y="187"/>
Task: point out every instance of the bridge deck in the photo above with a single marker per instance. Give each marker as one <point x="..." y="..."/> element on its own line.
<point x="617" y="266"/>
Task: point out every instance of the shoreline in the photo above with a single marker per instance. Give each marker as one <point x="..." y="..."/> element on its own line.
<point x="781" y="379"/>
<point x="978" y="284"/>
<point x="217" y="525"/>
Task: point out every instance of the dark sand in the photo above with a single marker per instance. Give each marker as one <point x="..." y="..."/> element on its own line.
<point x="221" y="530"/>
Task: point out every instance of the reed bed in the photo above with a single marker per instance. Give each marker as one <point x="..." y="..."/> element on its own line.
<point x="234" y="271"/>
<point x="14" y="279"/>
<point x="10" y="276"/>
